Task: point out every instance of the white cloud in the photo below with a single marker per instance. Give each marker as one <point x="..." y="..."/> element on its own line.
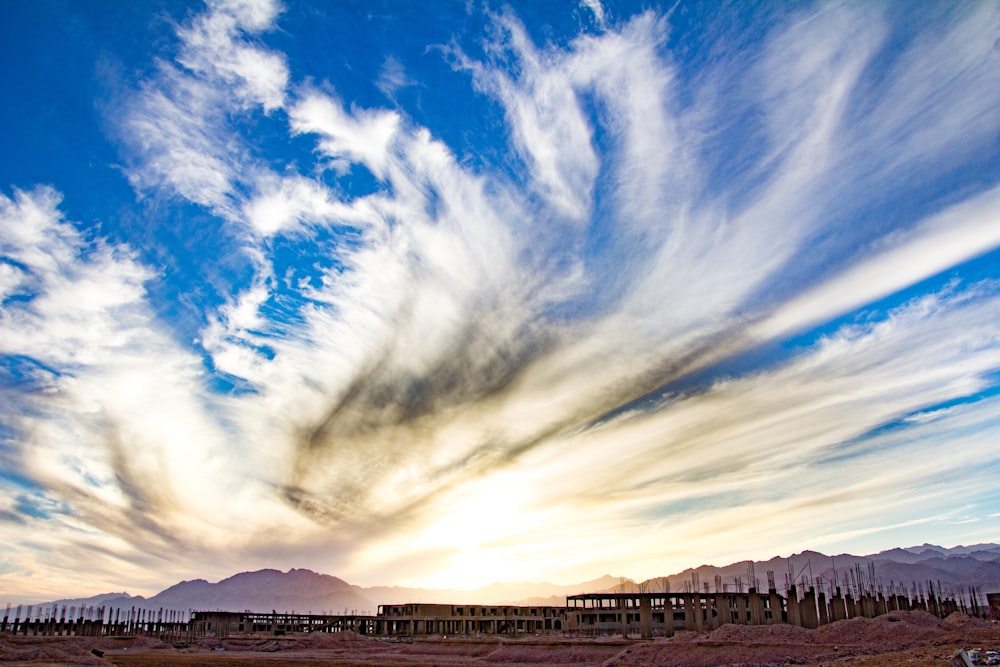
<point x="548" y="125"/>
<point x="177" y="147"/>
<point x="281" y="204"/>
<point x="597" y="9"/>
<point x="10" y="279"/>
<point x="66" y="298"/>
<point x="392" y="77"/>
<point x="364" y="137"/>
<point x="944" y="240"/>
<point x="938" y="106"/>
<point x="213" y="48"/>
<point x="176" y="125"/>
<point x="120" y="431"/>
<point x="254" y="16"/>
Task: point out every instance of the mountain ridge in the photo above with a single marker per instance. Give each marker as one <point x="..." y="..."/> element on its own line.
<point x="306" y="591"/>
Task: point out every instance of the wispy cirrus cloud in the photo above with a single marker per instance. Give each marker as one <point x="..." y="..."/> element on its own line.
<point x="214" y="49"/>
<point x="549" y="128"/>
<point x="597" y="9"/>
<point x="525" y="358"/>
<point x="117" y="446"/>
<point x="176" y="126"/>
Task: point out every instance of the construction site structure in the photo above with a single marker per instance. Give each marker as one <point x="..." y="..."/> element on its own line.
<point x="640" y="615"/>
<point x="449" y="619"/>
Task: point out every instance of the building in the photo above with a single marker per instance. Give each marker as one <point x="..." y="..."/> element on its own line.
<point x="646" y="614"/>
<point x="993" y="602"/>
<point x="234" y="623"/>
<point x="449" y="619"/>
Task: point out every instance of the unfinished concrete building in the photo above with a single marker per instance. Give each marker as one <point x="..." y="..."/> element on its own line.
<point x="993" y="605"/>
<point x="638" y="615"/>
<point x="648" y="614"/>
<point x="449" y="619"/>
<point x="661" y="614"/>
<point x="232" y="623"/>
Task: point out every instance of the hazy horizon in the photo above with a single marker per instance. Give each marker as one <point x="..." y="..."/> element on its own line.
<point x="446" y="295"/>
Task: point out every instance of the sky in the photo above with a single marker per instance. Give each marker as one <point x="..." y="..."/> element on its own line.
<point x="446" y="294"/>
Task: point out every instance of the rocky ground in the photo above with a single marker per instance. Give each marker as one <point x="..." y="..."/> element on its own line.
<point x="900" y="638"/>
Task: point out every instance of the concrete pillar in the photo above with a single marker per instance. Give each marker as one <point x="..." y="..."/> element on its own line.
<point x="867" y="606"/>
<point x="824" y="611"/>
<point x="668" y="615"/>
<point x="741" y="609"/>
<point x="837" y="610"/>
<point x="623" y="615"/>
<point x="807" y="610"/>
<point x="756" y="607"/>
<point x="645" y="618"/>
<point x="774" y="601"/>
<point x="689" y="612"/>
<point x="794" y="617"/>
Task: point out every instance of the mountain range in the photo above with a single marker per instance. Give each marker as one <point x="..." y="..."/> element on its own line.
<point x="956" y="569"/>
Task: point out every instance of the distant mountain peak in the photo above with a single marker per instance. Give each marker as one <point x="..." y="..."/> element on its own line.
<point x="306" y="590"/>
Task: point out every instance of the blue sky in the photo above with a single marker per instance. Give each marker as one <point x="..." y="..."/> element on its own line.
<point x="475" y="292"/>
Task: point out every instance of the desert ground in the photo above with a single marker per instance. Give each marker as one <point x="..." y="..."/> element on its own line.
<point x="899" y="638"/>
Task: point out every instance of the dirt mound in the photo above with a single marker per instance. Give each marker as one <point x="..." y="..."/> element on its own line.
<point x="959" y="620"/>
<point x="762" y="634"/>
<point x="48" y="650"/>
<point x="856" y="640"/>
<point x="895" y="629"/>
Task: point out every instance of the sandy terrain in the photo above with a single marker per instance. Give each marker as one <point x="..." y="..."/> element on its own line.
<point x="907" y="638"/>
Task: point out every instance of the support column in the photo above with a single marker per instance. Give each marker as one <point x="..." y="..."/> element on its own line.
<point x="623" y="615"/>
<point x="741" y="609"/>
<point x="689" y="612"/>
<point x="794" y="613"/>
<point x="837" y="610"/>
<point x="774" y="601"/>
<point x="808" y="610"/>
<point x="645" y="618"/>
<point x="756" y="608"/>
<point x="668" y="615"/>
